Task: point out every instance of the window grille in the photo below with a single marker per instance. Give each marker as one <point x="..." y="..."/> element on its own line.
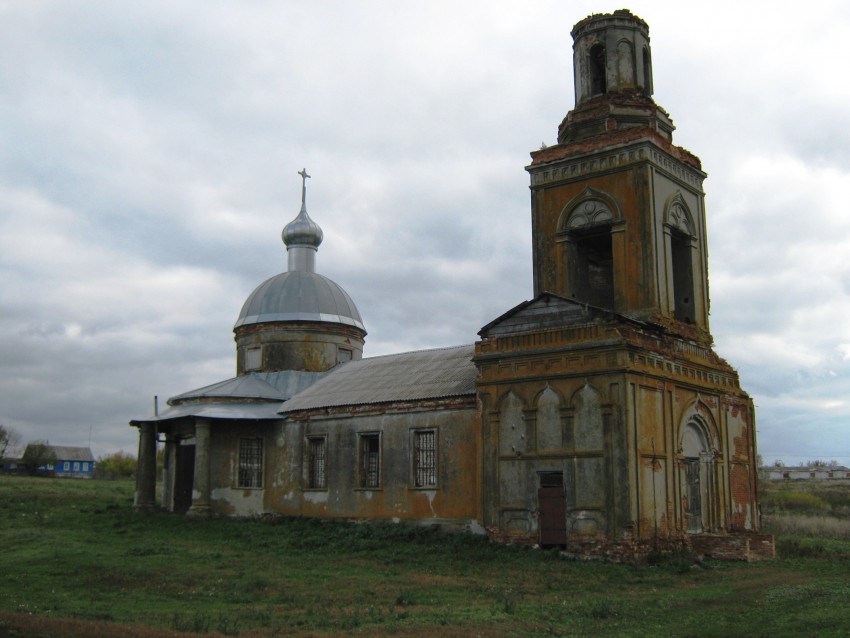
<point x="250" y="463"/>
<point x="425" y="458"/>
<point x="370" y="460"/>
<point x="317" y="478"/>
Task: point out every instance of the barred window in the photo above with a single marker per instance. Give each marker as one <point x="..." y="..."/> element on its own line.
<point x="370" y="460"/>
<point x="250" y="463"/>
<point x="317" y="478"/>
<point x="425" y="458"/>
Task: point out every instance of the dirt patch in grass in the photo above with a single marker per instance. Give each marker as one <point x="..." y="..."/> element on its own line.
<point x="14" y="625"/>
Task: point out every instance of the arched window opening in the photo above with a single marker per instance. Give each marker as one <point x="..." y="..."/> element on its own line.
<point x="593" y="281"/>
<point x="683" y="276"/>
<point x="647" y="72"/>
<point x="598" y="82"/>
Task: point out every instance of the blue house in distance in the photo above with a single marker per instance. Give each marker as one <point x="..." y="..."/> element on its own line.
<point x="71" y="462"/>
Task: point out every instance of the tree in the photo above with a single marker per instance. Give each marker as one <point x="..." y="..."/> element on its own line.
<point x="9" y="439"/>
<point x="116" y="465"/>
<point x="821" y="463"/>
<point x="38" y="454"/>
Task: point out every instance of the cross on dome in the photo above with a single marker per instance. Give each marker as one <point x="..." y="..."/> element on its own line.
<point x="302" y="235"/>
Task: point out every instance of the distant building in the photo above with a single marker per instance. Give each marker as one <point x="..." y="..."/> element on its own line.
<point x="805" y="473"/>
<point x="594" y="416"/>
<point x="71" y="462"/>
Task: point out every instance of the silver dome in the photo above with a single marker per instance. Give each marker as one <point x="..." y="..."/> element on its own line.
<point x="299" y="295"/>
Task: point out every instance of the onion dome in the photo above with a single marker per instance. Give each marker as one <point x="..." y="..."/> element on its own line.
<point x="302" y="231"/>
<point x="300" y="294"/>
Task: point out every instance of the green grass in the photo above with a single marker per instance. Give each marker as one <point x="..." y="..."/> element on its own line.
<point x="75" y="555"/>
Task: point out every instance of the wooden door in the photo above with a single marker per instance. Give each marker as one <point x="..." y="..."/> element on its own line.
<point x="551" y="508"/>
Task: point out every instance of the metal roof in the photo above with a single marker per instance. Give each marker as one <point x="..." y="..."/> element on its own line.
<point x="299" y="295"/>
<point x="212" y="410"/>
<point x="273" y="386"/>
<point x="424" y="374"/>
<point x="64" y="453"/>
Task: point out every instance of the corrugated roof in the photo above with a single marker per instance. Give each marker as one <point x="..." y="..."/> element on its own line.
<point x="64" y="453"/>
<point x="273" y="386"/>
<point x="424" y="374"/>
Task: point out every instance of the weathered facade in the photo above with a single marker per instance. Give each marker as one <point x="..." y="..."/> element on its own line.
<point x="595" y="415"/>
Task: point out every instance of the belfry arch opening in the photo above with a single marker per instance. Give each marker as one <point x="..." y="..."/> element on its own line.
<point x="647" y="72"/>
<point x="598" y="83"/>
<point x="593" y="267"/>
<point x="683" y="276"/>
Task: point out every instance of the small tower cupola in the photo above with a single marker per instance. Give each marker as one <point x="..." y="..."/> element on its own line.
<point x="612" y="69"/>
<point x="302" y="235"/>
<point x="298" y="320"/>
<point x="611" y="54"/>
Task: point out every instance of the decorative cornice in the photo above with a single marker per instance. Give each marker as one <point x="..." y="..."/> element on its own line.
<point x="579" y="166"/>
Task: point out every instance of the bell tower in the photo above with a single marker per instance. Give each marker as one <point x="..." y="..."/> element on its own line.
<point x="618" y="215"/>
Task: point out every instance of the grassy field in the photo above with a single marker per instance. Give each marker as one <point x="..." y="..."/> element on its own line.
<point x="76" y="561"/>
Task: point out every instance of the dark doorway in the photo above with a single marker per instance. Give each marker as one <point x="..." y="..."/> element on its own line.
<point x="551" y="507"/>
<point x="694" y="499"/>
<point x="184" y="477"/>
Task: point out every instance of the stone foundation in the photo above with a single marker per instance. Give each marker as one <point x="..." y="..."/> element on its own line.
<point x="742" y="546"/>
<point x="736" y="546"/>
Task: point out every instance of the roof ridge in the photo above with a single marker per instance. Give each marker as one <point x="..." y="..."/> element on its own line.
<point x="396" y="354"/>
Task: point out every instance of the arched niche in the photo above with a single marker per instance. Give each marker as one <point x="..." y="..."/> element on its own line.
<point x="513" y="436"/>
<point x="626" y="64"/>
<point x="549" y="429"/>
<point x="588" y="423"/>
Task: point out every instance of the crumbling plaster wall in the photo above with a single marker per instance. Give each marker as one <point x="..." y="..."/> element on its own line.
<point x="521" y="440"/>
<point x="453" y="500"/>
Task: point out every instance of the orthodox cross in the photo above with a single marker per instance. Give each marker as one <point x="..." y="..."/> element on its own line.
<point x="304" y="176"/>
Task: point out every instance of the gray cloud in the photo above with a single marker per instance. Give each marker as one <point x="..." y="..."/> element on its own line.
<point x="147" y="165"/>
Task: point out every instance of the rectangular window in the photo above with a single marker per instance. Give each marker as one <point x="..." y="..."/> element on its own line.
<point x="370" y="460"/>
<point x="250" y="463"/>
<point x="66" y="465"/>
<point x="254" y="358"/>
<point x="76" y="466"/>
<point x="425" y="458"/>
<point x="317" y="448"/>
<point x="343" y="355"/>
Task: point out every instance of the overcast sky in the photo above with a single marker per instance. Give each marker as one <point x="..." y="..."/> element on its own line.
<point x="149" y="155"/>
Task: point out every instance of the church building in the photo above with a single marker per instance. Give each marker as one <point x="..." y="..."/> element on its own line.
<point x="595" y="416"/>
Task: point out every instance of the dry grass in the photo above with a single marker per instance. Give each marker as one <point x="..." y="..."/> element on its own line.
<point x="807" y="525"/>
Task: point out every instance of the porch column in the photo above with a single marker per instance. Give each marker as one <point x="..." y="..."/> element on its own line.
<point x="168" y="471"/>
<point x="146" y="468"/>
<point x="201" y="486"/>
